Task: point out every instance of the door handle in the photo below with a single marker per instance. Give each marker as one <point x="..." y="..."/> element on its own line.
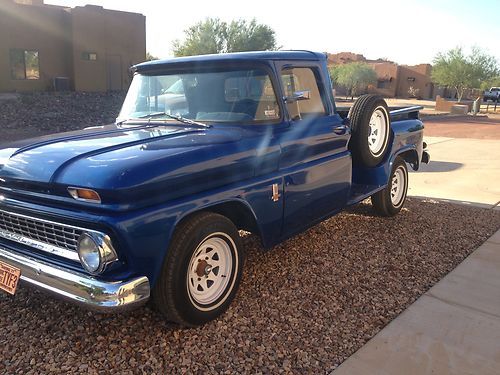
<point x="340" y="130"/>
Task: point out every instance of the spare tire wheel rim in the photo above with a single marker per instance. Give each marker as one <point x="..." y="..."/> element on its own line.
<point x="378" y="131"/>
<point x="398" y="185"/>
<point x="210" y="276"/>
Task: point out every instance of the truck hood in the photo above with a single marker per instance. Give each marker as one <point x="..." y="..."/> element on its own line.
<point x="119" y="159"/>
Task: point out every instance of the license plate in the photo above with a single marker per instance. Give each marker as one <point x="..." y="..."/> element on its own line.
<point x="9" y="277"/>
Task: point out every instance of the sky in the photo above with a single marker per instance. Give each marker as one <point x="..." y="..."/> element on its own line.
<point x="404" y="31"/>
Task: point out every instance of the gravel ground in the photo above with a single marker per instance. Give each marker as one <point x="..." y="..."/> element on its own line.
<point x="303" y="307"/>
<point x="36" y="114"/>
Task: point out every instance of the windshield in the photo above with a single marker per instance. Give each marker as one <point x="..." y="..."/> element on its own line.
<point x="221" y="96"/>
<point x="176" y="88"/>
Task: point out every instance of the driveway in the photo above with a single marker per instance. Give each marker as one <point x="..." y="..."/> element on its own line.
<point x="465" y="161"/>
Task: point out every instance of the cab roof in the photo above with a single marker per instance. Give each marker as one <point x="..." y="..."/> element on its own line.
<point x="231" y="57"/>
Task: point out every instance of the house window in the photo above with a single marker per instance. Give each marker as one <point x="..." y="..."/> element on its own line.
<point x="89" y="56"/>
<point x="383" y="84"/>
<point x="24" y="64"/>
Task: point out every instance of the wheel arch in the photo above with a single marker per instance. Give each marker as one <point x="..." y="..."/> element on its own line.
<point x="238" y="211"/>
<point x="409" y="155"/>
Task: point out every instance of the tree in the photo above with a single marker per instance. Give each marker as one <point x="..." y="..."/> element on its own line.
<point x="150" y="57"/>
<point x="493" y="82"/>
<point x="249" y="36"/>
<point x="354" y="76"/>
<point x="455" y="69"/>
<point x="216" y="36"/>
<point x="203" y="38"/>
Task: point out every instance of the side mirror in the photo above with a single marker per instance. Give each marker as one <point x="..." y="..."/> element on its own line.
<point x="298" y="95"/>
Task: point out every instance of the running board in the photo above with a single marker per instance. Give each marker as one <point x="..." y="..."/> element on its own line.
<point x="361" y="192"/>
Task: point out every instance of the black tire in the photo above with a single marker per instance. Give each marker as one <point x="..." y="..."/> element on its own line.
<point x="360" y="115"/>
<point x="172" y="293"/>
<point x="382" y="201"/>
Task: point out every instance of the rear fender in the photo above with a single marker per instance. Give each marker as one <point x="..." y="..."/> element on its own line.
<point x="408" y="141"/>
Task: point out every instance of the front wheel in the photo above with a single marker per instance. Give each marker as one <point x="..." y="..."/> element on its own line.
<point x="390" y="200"/>
<point x="202" y="270"/>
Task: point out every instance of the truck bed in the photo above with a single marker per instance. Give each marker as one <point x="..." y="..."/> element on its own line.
<point x="367" y="181"/>
<point x="397" y="113"/>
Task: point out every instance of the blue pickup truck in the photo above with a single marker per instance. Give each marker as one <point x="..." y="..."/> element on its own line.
<point x="151" y="207"/>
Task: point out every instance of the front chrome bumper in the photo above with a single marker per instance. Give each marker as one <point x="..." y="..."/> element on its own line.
<point x="78" y="287"/>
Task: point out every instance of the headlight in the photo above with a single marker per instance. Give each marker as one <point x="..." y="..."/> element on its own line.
<point x="95" y="252"/>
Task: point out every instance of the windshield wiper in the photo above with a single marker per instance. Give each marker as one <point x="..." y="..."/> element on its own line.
<point x="184" y="120"/>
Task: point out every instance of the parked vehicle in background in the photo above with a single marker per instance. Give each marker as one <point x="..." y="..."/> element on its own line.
<point x="492" y="94"/>
<point x="203" y="147"/>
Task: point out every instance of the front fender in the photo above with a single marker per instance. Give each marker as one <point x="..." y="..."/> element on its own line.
<point x="146" y="235"/>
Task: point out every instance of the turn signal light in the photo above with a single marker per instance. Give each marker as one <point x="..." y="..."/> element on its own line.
<point x="86" y="195"/>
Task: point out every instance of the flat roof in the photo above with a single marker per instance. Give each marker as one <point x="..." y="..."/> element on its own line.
<point x="227" y="57"/>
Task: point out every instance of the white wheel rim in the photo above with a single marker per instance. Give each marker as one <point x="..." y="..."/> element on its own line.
<point x="378" y="131"/>
<point x="210" y="271"/>
<point x="398" y="185"/>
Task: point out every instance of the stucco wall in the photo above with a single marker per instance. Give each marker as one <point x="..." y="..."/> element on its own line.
<point x="387" y="76"/>
<point x="418" y="76"/>
<point x="118" y="39"/>
<point x="61" y="35"/>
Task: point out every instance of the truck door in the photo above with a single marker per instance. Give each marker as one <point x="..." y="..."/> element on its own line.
<point x="315" y="161"/>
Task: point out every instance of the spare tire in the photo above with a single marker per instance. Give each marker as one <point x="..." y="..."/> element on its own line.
<point x="370" y="130"/>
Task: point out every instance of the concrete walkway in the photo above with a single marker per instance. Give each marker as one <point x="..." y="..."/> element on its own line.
<point x="454" y="328"/>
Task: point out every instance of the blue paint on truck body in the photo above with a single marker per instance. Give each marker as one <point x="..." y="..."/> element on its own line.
<point x="150" y="176"/>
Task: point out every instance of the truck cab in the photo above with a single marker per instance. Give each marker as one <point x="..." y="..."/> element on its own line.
<point x="492" y="94"/>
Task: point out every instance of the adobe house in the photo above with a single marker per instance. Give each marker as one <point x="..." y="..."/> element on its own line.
<point x="393" y="80"/>
<point x="44" y="47"/>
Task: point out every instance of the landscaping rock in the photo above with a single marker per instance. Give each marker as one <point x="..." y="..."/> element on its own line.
<point x="34" y="114"/>
<point x="303" y="307"/>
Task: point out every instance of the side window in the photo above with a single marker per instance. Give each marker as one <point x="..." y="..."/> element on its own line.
<point x="303" y="80"/>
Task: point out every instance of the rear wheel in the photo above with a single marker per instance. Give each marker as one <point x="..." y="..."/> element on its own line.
<point x="370" y="126"/>
<point x="390" y="200"/>
<point x="202" y="271"/>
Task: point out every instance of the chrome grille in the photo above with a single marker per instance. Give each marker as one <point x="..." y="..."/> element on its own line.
<point x="55" y="238"/>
